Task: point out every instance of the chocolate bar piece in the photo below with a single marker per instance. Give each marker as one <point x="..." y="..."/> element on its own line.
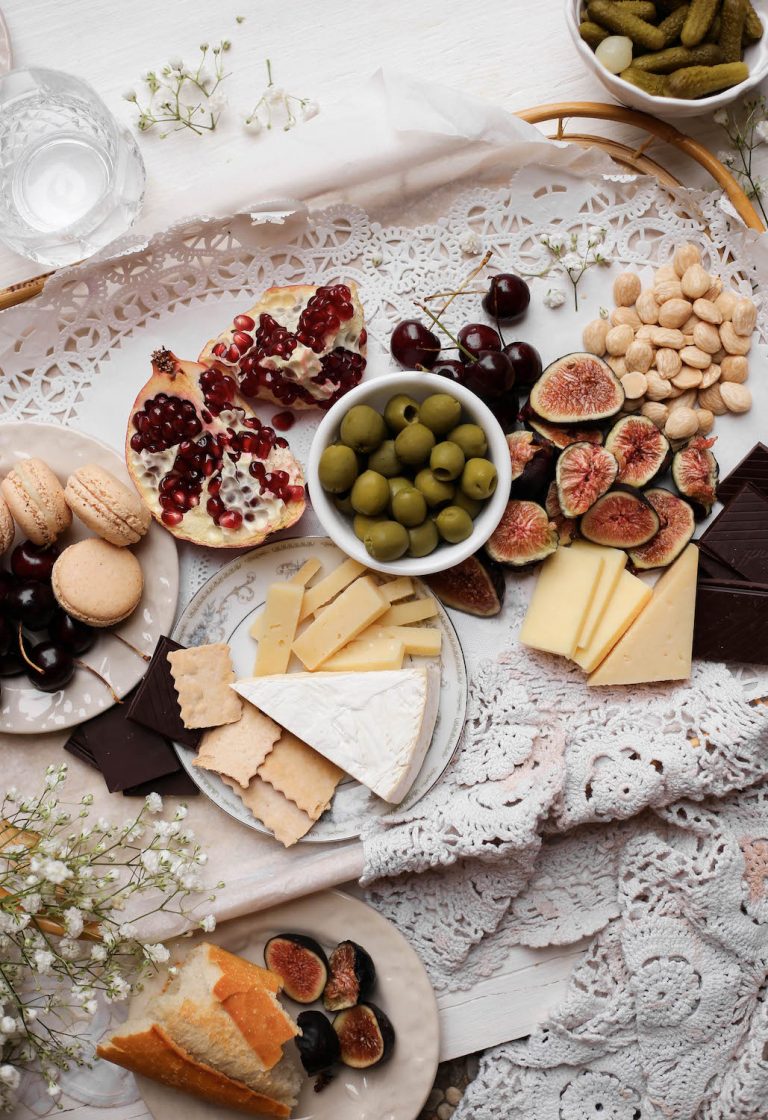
<point x="709" y="568"/>
<point x="156" y="704"/>
<point x="752" y="468"/>
<point x="78" y="747"/>
<point x="172" y="785"/>
<point x="738" y="537"/>
<point x="731" y="623"/>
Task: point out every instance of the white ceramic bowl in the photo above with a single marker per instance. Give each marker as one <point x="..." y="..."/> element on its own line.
<point x="756" y="57"/>
<point x="376" y="393"/>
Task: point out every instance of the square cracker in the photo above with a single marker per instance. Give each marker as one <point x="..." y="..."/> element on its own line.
<point x="237" y="750"/>
<point x="285" y="820"/>
<point x="301" y="774"/>
<point x="202" y="676"/>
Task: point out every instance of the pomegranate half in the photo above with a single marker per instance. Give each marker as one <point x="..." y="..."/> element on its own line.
<point x="205" y="466"/>
<point x="301" y="346"/>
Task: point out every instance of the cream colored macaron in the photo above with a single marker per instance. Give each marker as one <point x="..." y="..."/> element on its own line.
<point x="36" y="500"/>
<point x="97" y="582"/>
<point x="7" y="527"/>
<point x="106" y="506"/>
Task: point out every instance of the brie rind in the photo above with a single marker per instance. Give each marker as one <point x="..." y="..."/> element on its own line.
<point x="376" y="726"/>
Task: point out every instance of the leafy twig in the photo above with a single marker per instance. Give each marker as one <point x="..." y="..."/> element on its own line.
<point x="185" y="96"/>
<point x="746" y="129"/>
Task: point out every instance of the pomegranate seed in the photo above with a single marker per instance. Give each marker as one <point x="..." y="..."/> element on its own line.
<point x="214" y="486"/>
<point x="295" y="494"/>
<point x="171" y="516"/>
<point x="283" y="421"/>
<point x="232" y="519"/>
<point x="232" y="355"/>
<point x="215" y="507"/>
<point x="242" y="341"/>
<point x="220" y="349"/>
<point x="243" y="323"/>
<point x="280" y="442"/>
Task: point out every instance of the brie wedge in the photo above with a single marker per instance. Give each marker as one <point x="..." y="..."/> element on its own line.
<point x="376" y="726"/>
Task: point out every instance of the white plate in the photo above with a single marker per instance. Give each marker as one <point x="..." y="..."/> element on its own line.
<point x="223" y="610"/>
<point x="23" y="709"/>
<point x="393" y="1091"/>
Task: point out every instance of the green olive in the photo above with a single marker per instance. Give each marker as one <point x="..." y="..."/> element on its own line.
<point x="362" y="525"/>
<point x="384" y="460"/>
<point x="409" y="507"/>
<point x="471" y="505"/>
<point x="413" y="444"/>
<point x="440" y="413"/>
<point x="453" y="524"/>
<point x="478" y="480"/>
<point x="363" y="429"/>
<point x="446" y="461"/>
<point x="399" y="482"/>
<point x="423" y="539"/>
<point x="436" y="492"/>
<point x="337" y="469"/>
<point x="386" y="541"/>
<point x="343" y="504"/>
<point x="471" y="439"/>
<point x="370" y="494"/>
<point x="400" y="412"/>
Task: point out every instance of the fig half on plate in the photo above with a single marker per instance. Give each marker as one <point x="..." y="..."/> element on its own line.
<point x="301" y="964"/>
<point x="351" y="976"/>
<point x="583" y="474"/>
<point x="640" y="449"/>
<point x="524" y="535"/>
<point x="695" y="472"/>
<point x="578" y="388"/>
<point x="366" y="1036"/>
<point x="475" y="586"/>
<point x="622" y="518"/>
<point x="676" y="530"/>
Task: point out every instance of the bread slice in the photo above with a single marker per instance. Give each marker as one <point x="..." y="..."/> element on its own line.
<point x="215" y="1030"/>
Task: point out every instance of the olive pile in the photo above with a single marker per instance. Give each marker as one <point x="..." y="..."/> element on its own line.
<point x="410" y="477"/>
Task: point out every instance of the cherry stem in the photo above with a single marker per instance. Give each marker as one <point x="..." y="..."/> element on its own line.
<point x="465" y="283"/>
<point x="96" y="673"/>
<point x="458" y="292"/>
<point x="24" y="656"/>
<point x="138" y="652"/>
<point x="445" y="330"/>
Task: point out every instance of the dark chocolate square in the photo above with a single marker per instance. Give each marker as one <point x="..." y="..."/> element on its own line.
<point x="738" y="537"/>
<point x="709" y="568"/>
<point x="752" y="468"/>
<point x="78" y="747"/>
<point x="172" y="785"/>
<point x="731" y="623"/>
<point x="155" y="703"/>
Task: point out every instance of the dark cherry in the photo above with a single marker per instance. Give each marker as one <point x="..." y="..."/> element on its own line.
<point x="7" y="636"/>
<point x="55" y="666"/>
<point x="476" y="337"/>
<point x="33" y="561"/>
<point x="412" y="344"/>
<point x="506" y="410"/>
<point x="32" y="604"/>
<point x="526" y="362"/>
<point x="11" y="664"/>
<point x="490" y="376"/>
<point x="7" y="584"/>
<point x="448" y="367"/>
<point x="507" y="297"/>
<point x="67" y="632"/>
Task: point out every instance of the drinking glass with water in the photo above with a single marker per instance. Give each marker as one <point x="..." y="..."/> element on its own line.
<point x="71" y="176"/>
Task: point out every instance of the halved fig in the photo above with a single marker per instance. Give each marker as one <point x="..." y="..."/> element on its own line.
<point x="352" y="976"/>
<point x="584" y="472"/>
<point x="676" y="530"/>
<point x="622" y="518"/>
<point x="300" y="963"/>
<point x="566" y="526"/>
<point x="558" y="437"/>
<point x="531" y="465"/>
<point x="318" y="1044"/>
<point x="695" y="472"/>
<point x="366" y="1036"/>
<point x="640" y="449"/>
<point x="576" y="389"/>
<point x="524" y="535"/>
<point x="475" y="586"/>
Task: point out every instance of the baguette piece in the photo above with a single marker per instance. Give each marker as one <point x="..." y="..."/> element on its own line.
<point x="216" y="1030"/>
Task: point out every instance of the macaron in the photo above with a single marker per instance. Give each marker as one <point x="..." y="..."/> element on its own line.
<point x="97" y="582"/>
<point x="36" y="500"/>
<point x="7" y="527"/>
<point x="106" y="505"/>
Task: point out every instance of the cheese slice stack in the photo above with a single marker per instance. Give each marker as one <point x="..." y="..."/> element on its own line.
<point x="376" y="726"/>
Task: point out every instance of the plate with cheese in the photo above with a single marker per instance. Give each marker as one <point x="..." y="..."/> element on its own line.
<point x="353" y="690"/>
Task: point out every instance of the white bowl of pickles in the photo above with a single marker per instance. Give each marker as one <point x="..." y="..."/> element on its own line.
<point x="409" y="473"/>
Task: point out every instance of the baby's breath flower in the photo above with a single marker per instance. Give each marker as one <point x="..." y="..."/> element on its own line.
<point x="208" y="923"/>
<point x="154" y="803"/>
<point x="278" y="108"/>
<point x="554" y="298"/>
<point x="158" y="954"/>
<point x="184" y="96"/>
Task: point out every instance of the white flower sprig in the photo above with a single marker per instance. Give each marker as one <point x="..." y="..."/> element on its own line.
<point x="277" y="108"/>
<point x="184" y="96"/>
<point x="746" y="128"/>
<point x="573" y="257"/>
<point x="65" y="883"/>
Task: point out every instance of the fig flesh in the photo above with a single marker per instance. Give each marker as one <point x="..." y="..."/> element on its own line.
<point x="566" y="526"/>
<point x="318" y="1044"/>
<point x="640" y="449"/>
<point x="677" y="528"/>
<point x="524" y="535"/>
<point x="559" y="437"/>
<point x="584" y="472"/>
<point x="366" y="1036"/>
<point x="531" y="465"/>
<point x="475" y="586"/>
<point x="351" y="976"/>
<point x="695" y="472"/>
<point x="578" y="388"/>
<point x="622" y="518"/>
<point x="300" y="963"/>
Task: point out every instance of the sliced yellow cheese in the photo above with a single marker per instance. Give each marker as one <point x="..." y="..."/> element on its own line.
<point x="399" y="588"/>
<point x="281" y="617"/>
<point x="622" y="609"/>
<point x="614" y="562"/>
<point x="421" y="641"/>
<point x="329" y="587"/>
<point x="348" y="615"/>
<point x="306" y="572"/>
<point x="561" y="600"/>
<point x="404" y="614"/>
<point x="658" y="644"/>
<point x="365" y="657"/>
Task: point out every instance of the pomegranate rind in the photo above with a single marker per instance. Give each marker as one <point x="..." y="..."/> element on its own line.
<point x="566" y="526"/>
<point x="640" y="449"/>
<point x="620" y="519"/>
<point x="695" y="472"/>
<point x="524" y="536"/>
<point x="678" y="524"/>
<point x="584" y="472"/>
<point x="576" y="389"/>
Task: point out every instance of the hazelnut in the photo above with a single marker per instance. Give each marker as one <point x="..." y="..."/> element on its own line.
<point x="736" y="397"/>
<point x="681" y="423"/>
<point x="593" y="337"/>
<point x="625" y="315"/>
<point x="639" y="356"/>
<point x="710" y="398"/>
<point x="687" y="378"/>
<point x="626" y="289"/>
<point x="692" y="356"/>
<point x="734" y="368"/>
<point x="618" y="340"/>
<point x="706" y="420"/>
<point x="668" y="362"/>
<point x="674" y="312"/>
<point x="646" y="306"/>
<point x="726" y="302"/>
<point x="634" y="385"/>
<point x="708" y="311"/>
<point x="668" y="289"/>
<point x="655" y="411"/>
<point x="744" y="316"/>
<point x="695" y="281"/>
<point x="732" y="342"/>
<point x="685" y="255"/>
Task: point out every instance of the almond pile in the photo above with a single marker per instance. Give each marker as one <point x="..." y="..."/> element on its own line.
<point x="680" y="347"/>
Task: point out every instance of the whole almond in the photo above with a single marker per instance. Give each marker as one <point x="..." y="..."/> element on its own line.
<point x="732" y="342"/>
<point x="667" y="337"/>
<point x="684" y="398"/>
<point x="674" y="312"/>
<point x="593" y="337"/>
<point x="685" y="255"/>
<point x="618" y="365"/>
<point x="710" y="375"/>
<point x="655" y="411"/>
<point x="639" y="356"/>
<point x="734" y="368"/>
<point x="663" y="273"/>
<point x="646" y="306"/>
<point x="668" y="362"/>
<point x="706" y="420"/>
<point x="708" y="311"/>
<point x="706" y="337"/>
<point x="744" y="316"/>
<point x="668" y="289"/>
<point x="695" y="281"/>
<point x="692" y="356"/>
<point x="736" y="398"/>
<point x="719" y="356"/>
<point x="710" y="398"/>
<point x="691" y="322"/>
<point x="634" y="385"/>
<point x="645" y="331"/>
<point x="687" y="378"/>
<point x="726" y="302"/>
<point x="681" y="423"/>
<point x="631" y="405"/>
<point x="657" y="388"/>
<point x="715" y="290"/>
<point x="626" y="289"/>
<point x="625" y="315"/>
<point x="618" y="340"/>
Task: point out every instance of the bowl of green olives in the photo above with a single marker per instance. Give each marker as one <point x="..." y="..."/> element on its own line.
<point x="409" y="473"/>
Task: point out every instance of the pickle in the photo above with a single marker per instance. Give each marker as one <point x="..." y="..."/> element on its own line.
<point x="592" y="33"/>
<point x="651" y="83"/>
<point x="671" y="5"/>
<point x="713" y="35"/>
<point x="753" y="25"/>
<point x="698" y="21"/>
<point x="645" y="9"/>
<point x="700" y="81"/>
<point x="642" y="33"/>
<point x="673" y="25"/>
<point x="732" y="18"/>
<point x="674" y="58"/>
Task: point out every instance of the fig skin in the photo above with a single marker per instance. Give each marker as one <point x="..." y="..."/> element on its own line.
<point x="318" y="1044"/>
<point x="678" y="524"/>
<point x="351" y="976"/>
<point x="523" y="537"/>
<point x="566" y="526"/>
<point x="559" y="436"/>
<point x="301" y="964"/>
<point x="532" y="465"/>
<point x="366" y="1035"/>
<point x="577" y="388"/>
<point x="475" y="586"/>
<point x="641" y="450"/>
<point x="695" y="473"/>
<point x="633" y="505"/>
<point x="584" y="472"/>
